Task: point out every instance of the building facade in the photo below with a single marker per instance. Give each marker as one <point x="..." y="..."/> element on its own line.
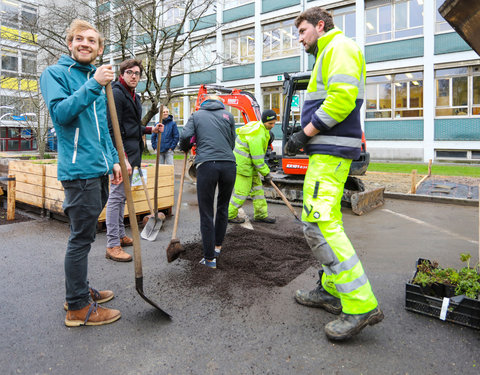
<point x="423" y="81"/>
<point x="18" y="70"/>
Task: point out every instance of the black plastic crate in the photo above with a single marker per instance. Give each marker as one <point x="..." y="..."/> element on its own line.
<point x="461" y="310"/>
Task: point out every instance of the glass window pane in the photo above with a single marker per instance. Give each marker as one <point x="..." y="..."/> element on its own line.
<point x="416" y="94"/>
<point x="459" y="91"/>
<point x="275" y="43"/>
<point x="401" y="16"/>
<point x="416" y="10"/>
<point x="400" y="95"/>
<point x="450" y="72"/>
<point x="350" y="25"/>
<point x="443" y="92"/>
<point x="385" y="94"/>
<point x="371" y="95"/>
<point x="385" y="19"/>
<point x="476" y="90"/>
<point x="371" y="21"/>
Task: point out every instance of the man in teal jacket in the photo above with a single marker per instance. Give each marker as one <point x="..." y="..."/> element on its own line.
<point x="250" y="147"/>
<point x="331" y="135"/>
<point x="73" y="90"/>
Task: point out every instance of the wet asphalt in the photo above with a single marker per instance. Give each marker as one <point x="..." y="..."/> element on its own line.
<point x="207" y="335"/>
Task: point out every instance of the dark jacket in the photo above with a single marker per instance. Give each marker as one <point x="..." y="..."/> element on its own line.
<point x="214" y="129"/>
<point x="169" y="136"/>
<point x="77" y="105"/>
<point x="129" y="114"/>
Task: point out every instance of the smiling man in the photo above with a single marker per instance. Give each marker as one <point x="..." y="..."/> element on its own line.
<point x="73" y="90"/>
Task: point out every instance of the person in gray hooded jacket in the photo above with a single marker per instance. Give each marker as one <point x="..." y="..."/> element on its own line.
<point x="213" y="129"/>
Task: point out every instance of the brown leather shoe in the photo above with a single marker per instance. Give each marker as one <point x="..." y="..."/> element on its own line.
<point x="91" y="315"/>
<point x="116" y="253"/>
<point x="98" y="296"/>
<point x="126" y="241"/>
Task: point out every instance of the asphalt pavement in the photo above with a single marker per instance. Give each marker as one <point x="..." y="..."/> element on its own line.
<point x="209" y="335"/>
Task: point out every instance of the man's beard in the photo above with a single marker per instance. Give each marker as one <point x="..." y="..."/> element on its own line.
<point x="313" y="50"/>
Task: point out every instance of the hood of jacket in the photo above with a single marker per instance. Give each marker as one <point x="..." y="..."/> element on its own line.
<point x="68" y="61"/>
<point x="212" y="105"/>
<point x="168" y="119"/>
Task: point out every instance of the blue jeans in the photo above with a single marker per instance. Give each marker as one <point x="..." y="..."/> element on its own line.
<point x="84" y="201"/>
<point x="166" y="157"/>
<point x="211" y="174"/>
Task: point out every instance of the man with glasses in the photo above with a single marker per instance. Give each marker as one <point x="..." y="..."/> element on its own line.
<point x="169" y="138"/>
<point x="129" y="112"/>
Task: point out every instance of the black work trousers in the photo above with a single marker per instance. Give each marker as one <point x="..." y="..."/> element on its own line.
<point x="210" y="175"/>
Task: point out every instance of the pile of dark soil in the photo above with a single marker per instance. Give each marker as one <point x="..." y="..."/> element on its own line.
<point x="18" y="217"/>
<point x="268" y="256"/>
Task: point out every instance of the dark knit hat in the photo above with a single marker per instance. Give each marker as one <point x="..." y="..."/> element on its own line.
<point x="269" y="115"/>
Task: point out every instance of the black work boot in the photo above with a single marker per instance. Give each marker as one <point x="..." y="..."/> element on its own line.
<point x="348" y="325"/>
<point x="237" y="220"/>
<point x="319" y="297"/>
<point x="268" y="219"/>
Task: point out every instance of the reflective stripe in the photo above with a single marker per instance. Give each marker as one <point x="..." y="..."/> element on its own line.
<point x="345" y="265"/>
<point x="258" y="157"/>
<point x="316" y="95"/>
<point x="256" y="188"/>
<point x="255" y="197"/>
<point x="343" y="78"/>
<point x="259" y="166"/>
<point x="244" y="144"/>
<point x="242" y="153"/>
<point x="352" y="285"/>
<point x="326" y="118"/>
<point x="241" y="197"/>
<point x="233" y="203"/>
<point x="338" y="141"/>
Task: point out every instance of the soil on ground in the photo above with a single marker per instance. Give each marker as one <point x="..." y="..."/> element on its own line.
<point x="268" y="256"/>
<point x="18" y="217"/>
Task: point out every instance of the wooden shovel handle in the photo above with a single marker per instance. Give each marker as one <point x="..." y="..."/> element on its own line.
<point x="179" y="200"/>
<point x="137" y="252"/>
<point x="284" y="198"/>
<point x="157" y="159"/>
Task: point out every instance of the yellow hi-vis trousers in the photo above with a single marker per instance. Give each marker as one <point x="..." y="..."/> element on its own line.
<point x="245" y="186"/>
<point x="343" y="275"/>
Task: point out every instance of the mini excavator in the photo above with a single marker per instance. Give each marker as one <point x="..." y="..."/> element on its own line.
<point x="288" y="172"/>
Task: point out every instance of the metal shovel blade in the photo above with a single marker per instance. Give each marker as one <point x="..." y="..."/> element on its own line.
<point x="151" y="229"/>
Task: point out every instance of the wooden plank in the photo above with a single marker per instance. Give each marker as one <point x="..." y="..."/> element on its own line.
<point x="28" y="198"/>
<point x="28" y="178"/>
<point x="54" y="206"/>
<point x="25" y="167"/>
<point x="29" y="189"/>
<point x="11" y="198"/>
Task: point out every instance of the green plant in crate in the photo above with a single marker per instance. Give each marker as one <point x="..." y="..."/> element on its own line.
<point x="469" y="279"/>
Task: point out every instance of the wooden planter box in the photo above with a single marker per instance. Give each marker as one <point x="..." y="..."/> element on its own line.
<point x="37" y="185"/>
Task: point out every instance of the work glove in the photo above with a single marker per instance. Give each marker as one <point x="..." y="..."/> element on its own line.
<point x="296" y="142"/>
<point x="185" y="145"/>
<point x="267" y="179"/>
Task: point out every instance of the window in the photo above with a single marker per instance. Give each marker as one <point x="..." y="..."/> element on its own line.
<point x="29" y="63"/>
<point x="239" y="47"/>
<point x="235" y="3"/>
<point x="393" y="19"/>
<point x="177" y="62"/>
<point x="394" y="96"/>
<point x="440" y="24"/>
<point x="10" y="12"/>
<point x="203" y="56"/>
<point x="344" y="19"/>
<point x="9" y="60"/>
<point x="176" y="110"/>
<point x="173" y="15"/>
<point x="280" y="39"/>
<point x="458" y="91"/>
<point x="28" y="18"/>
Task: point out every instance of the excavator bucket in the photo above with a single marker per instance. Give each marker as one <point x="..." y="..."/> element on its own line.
<point x="367" y="201"/>
<point x="360" y="200"/>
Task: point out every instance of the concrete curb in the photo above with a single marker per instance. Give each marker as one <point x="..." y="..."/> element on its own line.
<point x="432" y="199"/>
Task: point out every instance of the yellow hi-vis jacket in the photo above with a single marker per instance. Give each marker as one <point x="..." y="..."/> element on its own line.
<point x="250" y="147"/>
<point x="334" y="97"/>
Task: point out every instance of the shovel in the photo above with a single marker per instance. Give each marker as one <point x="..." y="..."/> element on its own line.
<point x="151" y="229"/>
<point x="137" y="251"/>
<point x="284" y="199"/>
<point x="175" y="247"/>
